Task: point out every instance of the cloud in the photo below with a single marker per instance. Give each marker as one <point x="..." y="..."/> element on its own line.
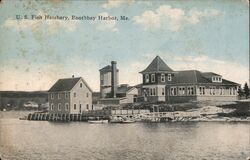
<point x="52" y="26"/>
<point x="173" y="19"/>
<point x="116" y="3"/>
<point x="104" y="25"/>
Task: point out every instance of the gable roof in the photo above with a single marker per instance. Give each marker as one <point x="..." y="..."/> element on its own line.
<point x="195" y="76"/>
<point x="157" y="65"/>
<point x="66" y="84"/>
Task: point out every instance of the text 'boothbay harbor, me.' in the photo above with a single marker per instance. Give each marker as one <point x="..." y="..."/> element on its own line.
<point x="164" y="95"/>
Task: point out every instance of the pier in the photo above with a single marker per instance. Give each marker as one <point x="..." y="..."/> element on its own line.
<point x="84" y="116"/>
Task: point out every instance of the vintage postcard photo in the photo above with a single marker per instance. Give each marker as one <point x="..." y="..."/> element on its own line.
<point x="124" y="80"/>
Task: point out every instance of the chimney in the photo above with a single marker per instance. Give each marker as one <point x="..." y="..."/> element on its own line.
<point x="113" y="79"/>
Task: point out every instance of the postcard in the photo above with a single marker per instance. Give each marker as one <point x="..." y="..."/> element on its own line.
<point x="124" y="79"/>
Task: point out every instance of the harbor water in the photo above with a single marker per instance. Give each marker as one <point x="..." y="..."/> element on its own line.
<point x="22" y="139"/>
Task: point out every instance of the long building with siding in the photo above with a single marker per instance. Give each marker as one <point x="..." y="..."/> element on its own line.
<point x="162" y="84"/>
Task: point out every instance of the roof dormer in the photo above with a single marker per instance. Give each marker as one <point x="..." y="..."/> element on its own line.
<point x="217" y="79"/>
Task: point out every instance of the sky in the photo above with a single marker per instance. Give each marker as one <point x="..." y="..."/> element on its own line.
<point x="204" y="35"/>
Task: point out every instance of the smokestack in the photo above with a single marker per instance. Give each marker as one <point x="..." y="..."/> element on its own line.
<point x="113" y="79"/>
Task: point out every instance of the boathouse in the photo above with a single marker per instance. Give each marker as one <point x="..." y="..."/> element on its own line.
<point x="70" y="96"/>
<point x="160" y="83"/>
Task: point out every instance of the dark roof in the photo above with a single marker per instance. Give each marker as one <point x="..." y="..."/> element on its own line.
<point x="209" y="74"/>
<point x="190" y="76"/>
<point x="195" y="76"/>
<point x="107" y="68"/>
<point x="157" y="65"/>
<point x="64" y="84"/>
<point x="224" y="81"/>
<point x="123" y="89"/>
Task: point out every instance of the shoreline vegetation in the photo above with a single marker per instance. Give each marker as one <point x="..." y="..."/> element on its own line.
<point x="207" y="111"/>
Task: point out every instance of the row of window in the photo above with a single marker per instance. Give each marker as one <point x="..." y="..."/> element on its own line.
<point x="152" y="91"/>
<point x="216" y="79"/>
<point x="202" y="91"/>
<point x="66" y="95"/>
<point x="152" y="77"/>
<point x="181" y="91"/>
<point x="59" y="107"/>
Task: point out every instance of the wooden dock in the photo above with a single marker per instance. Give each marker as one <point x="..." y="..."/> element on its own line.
<point x="84" y="116"/>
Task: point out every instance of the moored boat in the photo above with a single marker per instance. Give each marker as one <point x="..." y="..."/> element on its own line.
<point x="98" y="121"/>
<point x="23" y="118"/>
<point x="128" y="121"/>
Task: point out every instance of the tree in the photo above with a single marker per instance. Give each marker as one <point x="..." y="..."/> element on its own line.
<point x="246" y="90"/>
<point x="240" y="92"/>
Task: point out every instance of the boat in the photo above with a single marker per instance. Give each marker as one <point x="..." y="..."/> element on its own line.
<point x="128" y="121"/>
<point x="116" y="120"/>
<point x="98" y="121"/>
<point x="122" y="120"/>
<point x="23" y="118"/>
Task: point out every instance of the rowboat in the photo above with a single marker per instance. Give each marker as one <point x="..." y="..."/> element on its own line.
<point x="98" y="121"/>
<point x="122" y="120"/>
<point x="23" y="118"/>
<point x="128" y="121"/>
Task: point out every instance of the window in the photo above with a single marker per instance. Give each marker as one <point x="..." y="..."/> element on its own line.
<point x="74" y="106"/>
<point x="163" y="91"/>
<point x="59" y="106"/>
<point x="74" y="94"/>
<point x="66" y="95"/>
<point x="162" y="77"/>
<point x="66" y="106"/>
<point x="152" y="91"/>
<point x="169" y="77"/>
<point x="221" y="91"/>
<point x="52" y="106"/>
<point x="52" y="95"/>
<point x="59" y="96"/>
<point x="146" y="78"/>
<point x="87" y="94"/>
<point x="190" y="90"/>
<point x="232" y="91"/>
<point x="202" y="90"/>
<point x="181" y="90"/>
<point x="212" y="90"/>
<point x="216" y="79"/>
<point x="173" y="91"/>
<point x="152" y="77"/>
<point x="102" y="79"/>
<point x="81" y="85"/>
<point x="87" y="106"/>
